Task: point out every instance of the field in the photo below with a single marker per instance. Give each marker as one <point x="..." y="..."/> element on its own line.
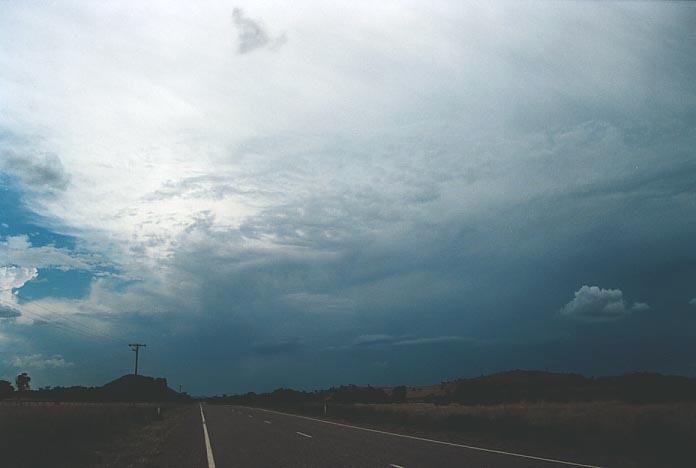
<point x="75" y="435"/>
<point x="604" y="433"/>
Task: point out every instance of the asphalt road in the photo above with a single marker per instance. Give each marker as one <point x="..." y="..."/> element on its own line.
<point x="247" y="437"/>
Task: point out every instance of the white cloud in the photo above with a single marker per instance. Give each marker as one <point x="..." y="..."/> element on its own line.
<point x="13" y="278"/>
<point x="693" y="301"/>
<point x="594" y="304"/>
<point x="39" y="362"/>
<point x="18" y="250"/>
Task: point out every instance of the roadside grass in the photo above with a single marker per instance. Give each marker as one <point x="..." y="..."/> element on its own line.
<point x="141" y="446"/>
<point x="65" y="435"/>
<point x="602" y="433"/>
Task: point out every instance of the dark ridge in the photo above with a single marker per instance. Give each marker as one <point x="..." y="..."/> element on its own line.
<point x="128" y="388"/>
<point x="505" y="387"/>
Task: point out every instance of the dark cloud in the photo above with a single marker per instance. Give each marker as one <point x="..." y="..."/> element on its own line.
<point x="8" y="311"/>
<point x="252" y="34"/>
<point x="282" y="347"/>
<point x="40" y="172"/>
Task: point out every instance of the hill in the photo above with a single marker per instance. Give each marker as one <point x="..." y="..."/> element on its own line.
<point x="138" y="388"/>
<point x="129" y="388"/>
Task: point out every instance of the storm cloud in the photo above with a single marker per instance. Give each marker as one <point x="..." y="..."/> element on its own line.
<point x="418" y="186"/>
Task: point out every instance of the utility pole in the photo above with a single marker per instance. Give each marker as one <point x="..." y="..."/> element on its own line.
<point x="136" y="347"/>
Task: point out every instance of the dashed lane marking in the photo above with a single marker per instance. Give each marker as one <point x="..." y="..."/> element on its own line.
<point x="433" y="441"/>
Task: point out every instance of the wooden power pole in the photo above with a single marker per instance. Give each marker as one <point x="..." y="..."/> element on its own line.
<point x="136" y="347"/>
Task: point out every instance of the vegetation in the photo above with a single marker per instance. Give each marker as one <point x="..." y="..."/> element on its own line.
<point x="505" y="387"/>
<point x="6" y="389"/>
<point x="519" y="386"/>
<point x="23" y="382"/>
<point x="284" y="397"/>
<point x="127" y="388"/>
<point x="64" y="435"/>
<point x="82" y="426"/>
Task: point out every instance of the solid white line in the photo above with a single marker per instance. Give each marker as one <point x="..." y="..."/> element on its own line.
<point x="303" y="434"/>
<point x="433" y="441"/>
<point x="208" y="448"/>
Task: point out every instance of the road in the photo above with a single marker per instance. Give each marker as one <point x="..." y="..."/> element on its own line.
<point x="250" y="437"/>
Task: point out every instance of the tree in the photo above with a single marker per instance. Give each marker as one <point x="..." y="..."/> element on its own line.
<point x="399" y="394"/>
<point x="6" y="389"/>
<point x="22" y="382"/>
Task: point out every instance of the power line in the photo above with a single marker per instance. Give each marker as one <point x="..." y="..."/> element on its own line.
<point x="67" y="328"/>
<point x="71" y="325"/>
<point x="71" y="321"/>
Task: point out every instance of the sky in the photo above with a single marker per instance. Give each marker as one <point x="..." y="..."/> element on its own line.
<point x="306" y="194"/>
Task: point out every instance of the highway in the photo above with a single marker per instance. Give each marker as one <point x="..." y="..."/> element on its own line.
<point x="238" y="437"/>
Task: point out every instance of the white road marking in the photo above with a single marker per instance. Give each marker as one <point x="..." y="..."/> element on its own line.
<point x="208" y="448"/>
<point x="250" y="416"/>
<point x="303" y="434"/>
<point x="267" y="422"/>
<point x="396" y="466"/>
<point x="433" y="441"/>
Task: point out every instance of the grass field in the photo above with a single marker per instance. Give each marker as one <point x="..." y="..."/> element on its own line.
<point x="605" y="433"/>
<point x="66" y="435"/>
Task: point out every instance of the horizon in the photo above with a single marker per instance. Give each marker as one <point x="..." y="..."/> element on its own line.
<point x="172" y="386"/>
<point x="307" y="196"/>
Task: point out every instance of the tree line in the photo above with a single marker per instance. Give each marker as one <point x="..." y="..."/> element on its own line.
<point x="505" y="387"/>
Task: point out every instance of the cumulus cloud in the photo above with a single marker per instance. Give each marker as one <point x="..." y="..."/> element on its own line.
<point x="595" y="304"/>
<point x="39" y="362"/>
<point x="252" y="34"/>
<point x="12" y="278"/>
<point x="640" y="307"/>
